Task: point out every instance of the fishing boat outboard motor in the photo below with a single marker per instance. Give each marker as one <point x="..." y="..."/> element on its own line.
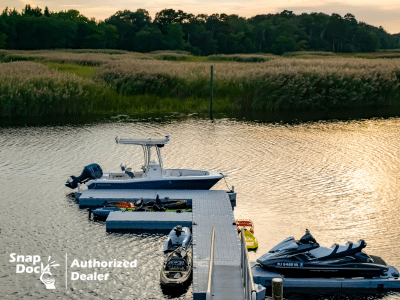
<point x="92" y="171"/>
<point x="306" y="258"/>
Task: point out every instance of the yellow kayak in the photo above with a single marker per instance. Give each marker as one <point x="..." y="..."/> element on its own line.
<point x="251" y="240"/>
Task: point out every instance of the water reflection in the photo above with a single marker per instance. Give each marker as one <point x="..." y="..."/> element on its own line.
<point x="339" y="179"/>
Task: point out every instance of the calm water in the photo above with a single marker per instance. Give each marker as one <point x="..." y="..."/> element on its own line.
<point x="339" y="179"/>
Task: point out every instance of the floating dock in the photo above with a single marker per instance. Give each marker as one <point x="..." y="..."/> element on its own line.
<point x="215" y="209"/>
<point x="392" y="281"/>
<point x="100" y="197"/>
<point x="209" y="209"/>
<point x="118" y="220"/>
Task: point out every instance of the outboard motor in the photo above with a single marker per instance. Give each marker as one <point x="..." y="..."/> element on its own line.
<point x="158" y="206"/>
<point x="178" y="230"/>
<point x="92" y="171"/>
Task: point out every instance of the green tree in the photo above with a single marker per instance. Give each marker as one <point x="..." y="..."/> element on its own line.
<point x="3" y="40"/>
<point x="149" y="39"/>
<point x="284" y="44"/>
<point x="174" y="37"/>
<point x="128" y="24"/>
<point x="33" y="12"/>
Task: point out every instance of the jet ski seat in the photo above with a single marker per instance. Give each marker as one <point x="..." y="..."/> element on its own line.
<point x="338" y="250"/>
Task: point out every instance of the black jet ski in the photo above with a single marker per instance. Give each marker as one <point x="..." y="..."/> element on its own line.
<point x="306" y="258"/>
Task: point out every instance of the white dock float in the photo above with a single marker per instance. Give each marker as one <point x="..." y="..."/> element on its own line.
<point x="390" y="282"/>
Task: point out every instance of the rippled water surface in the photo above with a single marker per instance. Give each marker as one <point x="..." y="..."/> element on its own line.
<point x="339" y="179"/>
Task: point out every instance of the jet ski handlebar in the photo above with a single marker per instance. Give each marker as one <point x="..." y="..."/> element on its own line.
<point x="307" y="238"/>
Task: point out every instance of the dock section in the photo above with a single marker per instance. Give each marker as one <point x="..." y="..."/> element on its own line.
<point x="214" y="209"/>
<point x="118" y="220"/>
<point x="391" y="281"/>
<point x="100" y="197"/>
<point x="209" y="209"/>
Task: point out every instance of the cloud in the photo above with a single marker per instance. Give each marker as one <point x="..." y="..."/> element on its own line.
<point x="370" y="14"/>
<point x="11" y="4"/>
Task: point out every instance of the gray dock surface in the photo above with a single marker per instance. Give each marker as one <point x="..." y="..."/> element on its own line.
<point x="213" y="209"/>
<point x="118" y="220"/>
<point x="209" y="209"/>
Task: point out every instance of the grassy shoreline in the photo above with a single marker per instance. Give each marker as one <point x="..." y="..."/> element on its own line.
<point x="65" y="82"/>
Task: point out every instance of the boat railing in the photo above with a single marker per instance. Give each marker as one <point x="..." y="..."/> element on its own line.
<point x="185" y="172"/>
<point x="249" y="287"/>
<point x="143" y="142"/>
<point x="210" y="271"/>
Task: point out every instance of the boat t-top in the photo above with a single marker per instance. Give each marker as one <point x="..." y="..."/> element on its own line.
<point x="151" y="176"/>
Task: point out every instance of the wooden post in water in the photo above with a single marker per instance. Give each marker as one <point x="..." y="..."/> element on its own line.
<point x="211" y="94"/>
<point x="277" y="289"/>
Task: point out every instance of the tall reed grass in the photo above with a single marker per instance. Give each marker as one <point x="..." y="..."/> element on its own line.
<point x="32" y="89"/>
<point x="280" y="84"/>
<point x="133" y="82"/>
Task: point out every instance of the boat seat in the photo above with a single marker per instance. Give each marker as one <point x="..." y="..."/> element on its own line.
<point x="176" y="264"/>
<point x="129" y="173"/>
<point x="321" y="252"/>
<point x="338" y="250"/>
<point x="118" y="176"/>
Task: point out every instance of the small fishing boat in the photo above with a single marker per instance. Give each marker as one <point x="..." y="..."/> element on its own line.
<point x="248" y="228"/>
<point x="151" y="176"/>
<point x="177" y="267"/>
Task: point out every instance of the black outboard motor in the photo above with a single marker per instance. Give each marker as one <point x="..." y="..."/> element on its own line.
<point x="92" y="171"/>
<point x="158" y="206"/>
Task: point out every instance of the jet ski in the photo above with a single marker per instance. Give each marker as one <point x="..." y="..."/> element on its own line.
<point x="179" y="236"/>
<point x="306" y="258"/>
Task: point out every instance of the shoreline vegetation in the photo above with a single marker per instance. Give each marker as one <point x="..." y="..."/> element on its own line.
<point x="81" y="82"/>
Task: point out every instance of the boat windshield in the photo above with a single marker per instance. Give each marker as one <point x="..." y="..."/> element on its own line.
<point x="151" y="154"/>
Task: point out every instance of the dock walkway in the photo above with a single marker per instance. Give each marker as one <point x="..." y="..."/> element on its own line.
<point x="210" y="209"/>
<point x="214" y="210"/>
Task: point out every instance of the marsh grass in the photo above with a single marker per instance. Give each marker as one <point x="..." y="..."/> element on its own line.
<point x="71" y="82"/>
<point x="241" y="57"/>
<point x="75" y="69"/>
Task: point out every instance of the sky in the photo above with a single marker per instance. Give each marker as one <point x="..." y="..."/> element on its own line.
<point x="385" y="13"/>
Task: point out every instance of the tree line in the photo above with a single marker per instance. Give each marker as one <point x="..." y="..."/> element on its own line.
<point x="201" y="35"/>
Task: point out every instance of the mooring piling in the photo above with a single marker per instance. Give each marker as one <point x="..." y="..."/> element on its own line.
<point x="277" y="289"/>
<point x="211" y="93"/>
